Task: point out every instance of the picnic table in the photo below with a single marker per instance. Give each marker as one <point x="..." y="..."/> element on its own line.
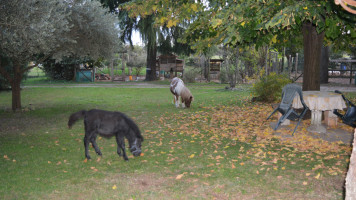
<point x="319" y="102"/>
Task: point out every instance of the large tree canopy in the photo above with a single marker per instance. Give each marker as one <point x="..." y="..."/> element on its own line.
<point x="259" y="22"/>
<point x="34" y="30"/>
<point x="157" y="37"/>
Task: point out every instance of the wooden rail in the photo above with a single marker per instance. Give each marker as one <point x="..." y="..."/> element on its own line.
<point x="340" y="74"/>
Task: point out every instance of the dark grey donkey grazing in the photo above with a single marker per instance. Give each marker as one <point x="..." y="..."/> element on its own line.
<point x="108" y="124"/>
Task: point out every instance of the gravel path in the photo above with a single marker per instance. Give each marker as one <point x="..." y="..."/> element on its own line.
<point x="121" y="85"/>
<point x="324" y="87"/>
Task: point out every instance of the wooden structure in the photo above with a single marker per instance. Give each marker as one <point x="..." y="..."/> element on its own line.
<point x="215" y="67"/>
<point x="344" y="71"/>
<point x="84" y="73"/>
<point x="169" y="63"/>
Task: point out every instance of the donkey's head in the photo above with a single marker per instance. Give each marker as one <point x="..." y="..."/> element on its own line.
<point x="188" y="101"/>
<point x="135" y="147"/>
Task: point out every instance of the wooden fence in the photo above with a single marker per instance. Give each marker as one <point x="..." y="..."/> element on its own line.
<point x="343" y="73"/>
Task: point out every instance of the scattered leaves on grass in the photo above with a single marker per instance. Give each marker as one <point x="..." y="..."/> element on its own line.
<point x="179" y="176"/>
<point x="94" y="169"/>
<point x="213" y="126"/>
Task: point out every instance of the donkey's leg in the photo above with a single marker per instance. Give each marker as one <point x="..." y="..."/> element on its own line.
<point x="93" y="142"/>
<point x="176" y="98"/>
<point x="118" y="146"/>
<point x="121" y="144"/>
<point x="183" y="103"/>
<point x="86" y="146"/>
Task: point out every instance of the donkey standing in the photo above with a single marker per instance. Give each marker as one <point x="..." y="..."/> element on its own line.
<point x="108" y="124"/>
<point x="178" y="89"/>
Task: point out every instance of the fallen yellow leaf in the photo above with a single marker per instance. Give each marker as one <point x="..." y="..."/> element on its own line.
<point x="317" y="176"/>
<point x="179" y="176"/>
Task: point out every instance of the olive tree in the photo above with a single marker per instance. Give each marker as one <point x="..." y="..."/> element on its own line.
<point x="34" y="30"/>
<point x="137" y="59"/>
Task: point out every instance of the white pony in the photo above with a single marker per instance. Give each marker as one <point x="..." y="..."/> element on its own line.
<point x="178" y="89"/>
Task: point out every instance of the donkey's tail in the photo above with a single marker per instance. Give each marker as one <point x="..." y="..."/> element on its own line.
<point x="133" y="126"/>
<point x="75" y="117"/>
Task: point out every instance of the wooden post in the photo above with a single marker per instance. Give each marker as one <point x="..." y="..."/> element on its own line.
<point x="296" y="65"/>
<point x="93" y="75"/>
<point x="289" y="65"/>
<point x="269" y="62"/>
<point x="123" y="63"/>
<point x="112" y="70"/>
<point x="351" y="74"/>
<point x="351" y="174"/>
<point x="266" y="61"/>
<point x="284" y="54"/>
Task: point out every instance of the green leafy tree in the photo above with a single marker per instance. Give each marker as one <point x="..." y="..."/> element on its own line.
<point x="35" y="30"/>
<point x="163" y="37"/>
<point x="261" y="22"/>
<point x="136" y="59"/>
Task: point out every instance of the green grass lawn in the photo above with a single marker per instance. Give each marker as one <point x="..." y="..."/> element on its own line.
<point x="214" y="150"/>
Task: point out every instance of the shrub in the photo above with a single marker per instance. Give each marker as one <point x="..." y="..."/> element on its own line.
<point x="223" y="76"/>
<point x="7" y="66"/>
<point x="63" y="70"/>
<point x="269" y="88"/>
<point x="189" y="76"/>
<point x="4" y="84"/>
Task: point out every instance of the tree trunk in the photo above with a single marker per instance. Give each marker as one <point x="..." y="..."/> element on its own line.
<point x="236" y="71"/>
<point x="312" y="51"/>
<point x="151" y="61"/>
<point x="351" y="174"/>
<point x="15" y="87"/>
<point x="324" y="64"/>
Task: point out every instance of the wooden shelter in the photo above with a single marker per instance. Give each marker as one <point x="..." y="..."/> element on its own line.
<point x="215" y="67"/>
<point x="169" y="63"/>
